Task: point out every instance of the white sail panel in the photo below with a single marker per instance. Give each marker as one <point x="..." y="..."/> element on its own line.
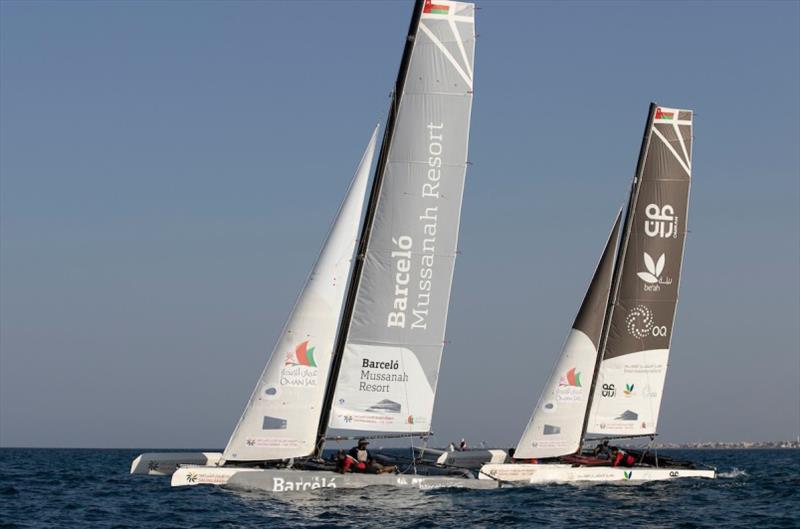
<point x="630" y="383"/>
<point x="281" y="418"/>
<point x="390" y="363"/>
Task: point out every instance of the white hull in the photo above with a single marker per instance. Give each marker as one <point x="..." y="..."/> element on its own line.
<point x="561" y="473"/>
<point x="289" y="480"/>
<point x="165" y="463"/>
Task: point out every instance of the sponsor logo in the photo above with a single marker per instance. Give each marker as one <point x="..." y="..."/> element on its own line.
<point x="572" y="378"/>
<point x="661" y="221"/>
<point x="385" y="406"/>
<point x="284" y="485"/>
<point x="549" y="406"/>
<point x="152" y="465"/>
<point x="347" y="419"/>
<point x="627" y="415"/>
<point x="191" y="477"/>
<point x="640" y="323"/>
<point x="627" y="474"/>
<point x="569" y="387"/>
<point x="652" y="278"/>
<point x="673" y="474"/>
<point x="628" y="391"/>
<point x="301" y="356"/>
<point x="435" y="9"/>
<point x="664" y="116"/>
<point x="299" y="368"/>
<point x="609" y="390"/>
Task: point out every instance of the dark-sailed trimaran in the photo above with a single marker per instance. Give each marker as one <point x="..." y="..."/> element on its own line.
<point x="609" y="380"/>
<point x="362" y="347"/>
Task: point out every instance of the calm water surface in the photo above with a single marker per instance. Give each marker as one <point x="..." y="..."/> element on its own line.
<point x="92" y="488"/>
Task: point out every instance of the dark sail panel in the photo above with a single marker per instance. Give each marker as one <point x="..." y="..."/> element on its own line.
<point x="640" y="330"/>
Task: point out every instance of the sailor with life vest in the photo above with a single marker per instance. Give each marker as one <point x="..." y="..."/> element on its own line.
<point x="358" y="459"/>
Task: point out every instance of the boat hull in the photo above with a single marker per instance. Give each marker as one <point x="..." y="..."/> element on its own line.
<point x="165" y="463"/>
<point x="558" y="473"/>
<point x="289" y="480"/>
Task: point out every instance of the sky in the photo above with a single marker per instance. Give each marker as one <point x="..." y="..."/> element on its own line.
<point x="169" y="170"/>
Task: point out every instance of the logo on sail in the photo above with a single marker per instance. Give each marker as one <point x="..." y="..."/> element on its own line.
<point x="301" y="356"/>
<point x="652" y="277"/>
<point x="664" y="116"/>
<point x="299" y="367"/>
<point x="628" y="474"/>
<point x="569" y="386"/>
<point x="435" y="9"/>
<point x="640" y="323"/>
<point x="609" y="390"/>
<point x="628" y="391"/>
<point x="572" y="378"/>
<point x="661" y="221"/>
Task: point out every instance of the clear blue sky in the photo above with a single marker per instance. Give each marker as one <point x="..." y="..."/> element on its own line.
<point x="169" y="170"/>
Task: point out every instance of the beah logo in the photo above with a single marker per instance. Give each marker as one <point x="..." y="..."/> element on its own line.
<point x="660" y="222"/>
<point x="652" y="278"/>
<point x="627" y="475"/>
<point x="640" y="323"/>
<point x="628" y="391"/>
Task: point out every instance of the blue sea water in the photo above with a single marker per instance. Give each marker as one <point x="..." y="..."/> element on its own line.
<point x="92" y="488"/>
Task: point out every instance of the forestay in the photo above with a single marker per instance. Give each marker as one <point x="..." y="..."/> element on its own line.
<point x="557" y="422"/>
<point x="390" y="364"/>
<point x="630" y="381"/>
<point x="281" y="417"/>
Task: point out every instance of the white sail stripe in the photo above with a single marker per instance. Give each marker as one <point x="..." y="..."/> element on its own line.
<point x="672" y="150"/>
<point x="683" y="144"/>
<point x="455" y="18"/>
<point x="446" y="53"/>
<point x="461" y="48"/>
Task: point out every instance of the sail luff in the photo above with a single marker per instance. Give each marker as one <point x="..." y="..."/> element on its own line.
<point x="635" y="186"/>
<point x="366" y="229"/>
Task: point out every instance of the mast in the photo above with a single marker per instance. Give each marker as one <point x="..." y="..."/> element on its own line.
<point x="358" y="266"/>
<point x="612" y="299"/>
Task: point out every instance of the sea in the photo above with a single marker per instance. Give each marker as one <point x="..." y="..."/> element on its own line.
<point x="77" y="488"/>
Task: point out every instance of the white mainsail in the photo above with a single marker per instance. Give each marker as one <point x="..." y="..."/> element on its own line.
<point x="630" y="382"/>
<point x="556" y="425"/>
<point x="281" y="418"/>
<point x="391" y="357"/>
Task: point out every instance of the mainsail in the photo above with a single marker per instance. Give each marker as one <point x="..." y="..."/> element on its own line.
<point x="556" y="425"/>
<point x="390" y="359"/>
<point x="630" y="381"/>
<point x="280" y="420"/>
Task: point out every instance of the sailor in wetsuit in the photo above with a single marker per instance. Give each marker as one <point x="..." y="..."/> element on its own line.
<point x="358" y="459"/>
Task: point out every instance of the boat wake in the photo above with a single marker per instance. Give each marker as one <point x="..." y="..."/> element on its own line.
<point x="733" y="473"/>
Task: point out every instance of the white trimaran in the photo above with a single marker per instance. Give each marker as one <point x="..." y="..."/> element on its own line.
<point x="609" y="379"/>
<point x="362" y="348"/>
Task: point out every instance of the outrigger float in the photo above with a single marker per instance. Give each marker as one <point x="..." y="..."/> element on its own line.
<point x="362" y="348"/>
<point x="609" y="380"/>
